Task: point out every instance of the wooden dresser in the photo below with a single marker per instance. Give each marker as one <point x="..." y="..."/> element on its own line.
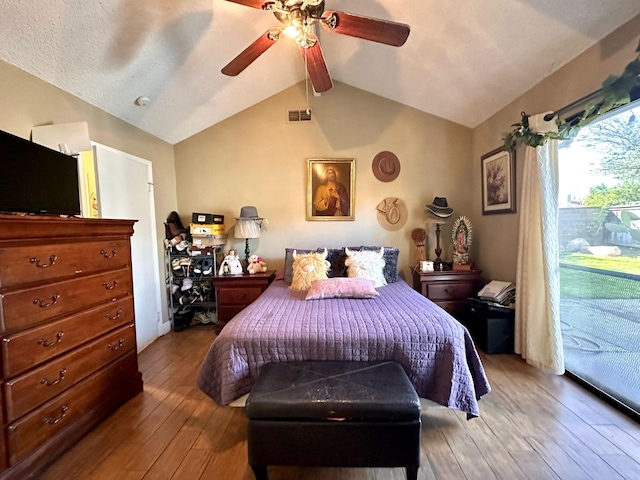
<point x="68" y="333"/>
<point x="235" y="292"/>
<point x="449" y="289"/>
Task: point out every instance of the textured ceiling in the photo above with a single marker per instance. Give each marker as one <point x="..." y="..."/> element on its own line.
<point x="463" y="60"/>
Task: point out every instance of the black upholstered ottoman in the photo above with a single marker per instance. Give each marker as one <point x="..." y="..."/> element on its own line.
<point x="333" y="414"/>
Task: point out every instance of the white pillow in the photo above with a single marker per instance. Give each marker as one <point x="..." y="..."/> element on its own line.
<point x="366" y="264"/>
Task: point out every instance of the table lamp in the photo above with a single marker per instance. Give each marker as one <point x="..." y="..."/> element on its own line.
<point x="248" y="225"/>
<point x="438" y="210"/>
<point x="437" y="263"/>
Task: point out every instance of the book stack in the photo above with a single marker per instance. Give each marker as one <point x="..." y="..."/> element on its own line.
<point x="498" y="292"/>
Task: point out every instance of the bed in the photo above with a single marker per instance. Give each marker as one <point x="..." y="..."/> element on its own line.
<point x="435" y="350"/>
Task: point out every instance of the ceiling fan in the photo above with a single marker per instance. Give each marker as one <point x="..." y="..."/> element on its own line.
<point x="298" y="18"/>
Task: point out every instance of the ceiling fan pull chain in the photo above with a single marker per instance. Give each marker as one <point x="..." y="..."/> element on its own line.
<point x="306" y="80"/>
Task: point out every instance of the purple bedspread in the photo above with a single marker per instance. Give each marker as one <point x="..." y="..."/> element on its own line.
<point x="435" y="350"/>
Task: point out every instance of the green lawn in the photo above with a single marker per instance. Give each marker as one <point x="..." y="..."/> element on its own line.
<point x="625" y="264"/>
<point x="580" y="284"/>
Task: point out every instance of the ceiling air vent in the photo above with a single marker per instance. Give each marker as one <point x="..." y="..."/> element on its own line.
<point x="300" y="116"/>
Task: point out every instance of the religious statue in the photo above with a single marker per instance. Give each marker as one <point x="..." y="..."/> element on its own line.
<point x="231" y="264"/>
<point x="461" y="234"/>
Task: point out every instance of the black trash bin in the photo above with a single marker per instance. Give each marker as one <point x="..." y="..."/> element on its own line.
<point x="491" y="326"/>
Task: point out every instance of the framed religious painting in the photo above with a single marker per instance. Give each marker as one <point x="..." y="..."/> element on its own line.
<point x="498" y="182"/>
<point x="331" y="189"/>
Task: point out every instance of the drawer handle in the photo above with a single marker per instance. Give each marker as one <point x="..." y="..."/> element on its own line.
<point x="44" y="343"/>
<point x="48" y="383"/>
<point x="106" y="254"/>
<point x="53" y="421"/>
<point x="110" y="287"/>
<point x="450" y="292"/>
<point x="114" y="347"/>
<point x="52" y="260"/>
<point x="114" y="317"/>
<point x="41" y="304"/>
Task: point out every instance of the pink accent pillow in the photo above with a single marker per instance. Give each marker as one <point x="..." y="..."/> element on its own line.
<point x="342" y="287"/>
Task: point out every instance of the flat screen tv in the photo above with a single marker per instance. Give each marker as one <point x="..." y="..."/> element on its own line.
<point x="36" y="179"/>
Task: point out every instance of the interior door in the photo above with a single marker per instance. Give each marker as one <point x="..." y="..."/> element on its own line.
<point x="125" y="191"/>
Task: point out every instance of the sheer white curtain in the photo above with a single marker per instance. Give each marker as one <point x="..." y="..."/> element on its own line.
<point x="537" y="329"/>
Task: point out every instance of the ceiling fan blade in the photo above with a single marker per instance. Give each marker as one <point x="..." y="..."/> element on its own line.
<point x="251" y="3"/>
<point x="376" y="30"/>
<point x="253" y="51"/>
<point x="316" y="66"/>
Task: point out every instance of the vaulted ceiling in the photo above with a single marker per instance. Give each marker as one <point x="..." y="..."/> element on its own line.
<point x="463" y="60"/>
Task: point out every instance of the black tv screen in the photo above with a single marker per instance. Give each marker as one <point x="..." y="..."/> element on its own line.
<point x="36" y="179"/>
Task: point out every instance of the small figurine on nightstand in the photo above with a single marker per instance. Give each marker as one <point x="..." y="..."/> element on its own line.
<point x="231" y="264"/>
<point x="256" y="265"/>
<point x="461" y="235"/>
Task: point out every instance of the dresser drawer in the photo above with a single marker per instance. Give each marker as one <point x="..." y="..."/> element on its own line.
<point x="28" y="348"/>
<point x="237" y="296"/>
<point x="454" y="308"/>
<point x="26" y="392"/>
<point x="60" y="413"/>
<point x="39" y="263"/>
<point x="26" y="307"/>
<point x="450" y="290"/>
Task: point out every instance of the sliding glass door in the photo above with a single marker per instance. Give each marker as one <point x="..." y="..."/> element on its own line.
<point x="599" y="237"/>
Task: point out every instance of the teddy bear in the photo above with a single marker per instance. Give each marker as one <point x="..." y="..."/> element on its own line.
<point x="256" y="265"/>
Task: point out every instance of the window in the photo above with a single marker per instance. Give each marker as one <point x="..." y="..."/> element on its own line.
<point x="599" y="239"/>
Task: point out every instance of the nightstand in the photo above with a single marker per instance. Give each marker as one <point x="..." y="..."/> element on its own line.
<point x="449" y="288"/>
<point x="234" y="292"/>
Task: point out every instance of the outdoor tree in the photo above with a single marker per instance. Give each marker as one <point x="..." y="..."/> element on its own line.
<point x="603" y="196"/>
<point x="617" y="141"/>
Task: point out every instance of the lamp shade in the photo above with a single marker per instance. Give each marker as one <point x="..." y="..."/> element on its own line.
<point x="249" y="223"/>
<point x="247" y="229"/>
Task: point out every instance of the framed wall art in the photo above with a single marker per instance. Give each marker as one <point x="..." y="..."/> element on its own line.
<point x="331" y="189"/>
<point x="498" y="182"/>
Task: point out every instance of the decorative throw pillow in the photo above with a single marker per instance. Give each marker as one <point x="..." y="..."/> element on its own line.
<point x="390" y="261"/>
<point x="336" y="258"/>
<point x="341" y="287"/>
<point x="366" y="264"/>
<point x="308" y="267"/>
<point x="288" y="263"/>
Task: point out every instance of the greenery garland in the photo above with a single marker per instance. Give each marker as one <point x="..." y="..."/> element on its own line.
<point x="615" y="92"/>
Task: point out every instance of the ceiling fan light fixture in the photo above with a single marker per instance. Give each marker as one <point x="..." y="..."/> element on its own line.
<point x="298" y="17"/>
<point x="291" y="31"/>
<point x="305" y="41"/>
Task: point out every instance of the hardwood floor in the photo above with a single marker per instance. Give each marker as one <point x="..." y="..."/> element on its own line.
<point x="532" y="426"/>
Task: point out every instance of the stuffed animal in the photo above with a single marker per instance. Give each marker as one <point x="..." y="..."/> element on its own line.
<point x="256" y="265"/>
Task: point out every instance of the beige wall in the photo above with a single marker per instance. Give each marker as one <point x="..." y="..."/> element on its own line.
<point x="257" y="158"/>
<point x="496" y="236"/>
<point x="26" y="101"/>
